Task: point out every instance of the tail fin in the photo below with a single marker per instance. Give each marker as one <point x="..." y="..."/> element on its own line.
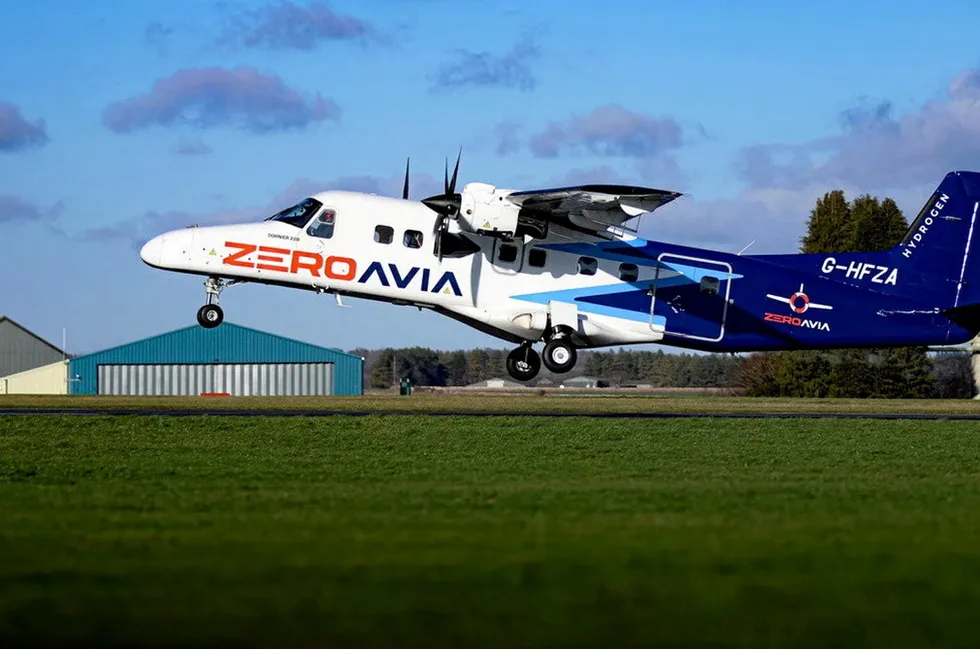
<point x="938" y="259"/>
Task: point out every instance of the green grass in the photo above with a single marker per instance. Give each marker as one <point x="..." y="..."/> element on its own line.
<point x="574" y="401"/>
<point x="438" y="532"/>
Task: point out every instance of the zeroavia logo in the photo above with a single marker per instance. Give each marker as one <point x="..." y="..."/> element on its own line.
<point x="797" y="322"/>
<point x="301" y="262"/>
<point x="800" y="303"/>
<point x="446" y="284"/>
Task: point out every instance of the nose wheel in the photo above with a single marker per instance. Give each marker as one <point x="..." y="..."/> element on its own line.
<point x="210" y="316"/>
<point x="523" y="364"/>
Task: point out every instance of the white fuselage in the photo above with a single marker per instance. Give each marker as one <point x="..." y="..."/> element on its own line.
<point x="370" y="253"/>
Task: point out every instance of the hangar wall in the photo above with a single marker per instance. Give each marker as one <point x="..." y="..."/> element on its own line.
<point x="49" y="379"/>
<point x="21" y="349"/>
<point x="245" y="360"/>
<point x="239" y="379"/>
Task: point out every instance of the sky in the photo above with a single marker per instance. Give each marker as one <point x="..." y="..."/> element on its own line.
<point x="119" y="121"/>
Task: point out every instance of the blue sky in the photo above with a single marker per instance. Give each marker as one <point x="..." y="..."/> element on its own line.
<point x="121" y="120"/>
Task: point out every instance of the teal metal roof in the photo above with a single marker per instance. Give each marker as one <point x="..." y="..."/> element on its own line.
<point x="226" y="343"/>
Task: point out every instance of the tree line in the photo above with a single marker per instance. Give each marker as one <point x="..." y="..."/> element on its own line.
<point x="424" y="366"/>
<point x="882" y="373"/>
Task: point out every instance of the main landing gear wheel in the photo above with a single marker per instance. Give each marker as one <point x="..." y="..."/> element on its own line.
<point x="210" y="316"/>
<point x="523" y="364"/>
<point x="559" y="355"/>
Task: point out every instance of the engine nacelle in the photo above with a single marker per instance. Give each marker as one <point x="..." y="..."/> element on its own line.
<point x="483" y="210"/>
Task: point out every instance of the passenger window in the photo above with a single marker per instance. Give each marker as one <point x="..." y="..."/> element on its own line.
<point x="629" y="272"/>
<point x="507" y="253"/>
<point x="322" y="227"/>
<point x="709" y="285"/>
<point x="587" y="265"/>
<point x="384" y="234"/>
<point x="412" y="239"/>
<point x="536" y="257"/>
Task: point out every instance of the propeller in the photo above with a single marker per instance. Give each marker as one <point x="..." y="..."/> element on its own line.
<point x="446" y="205"/>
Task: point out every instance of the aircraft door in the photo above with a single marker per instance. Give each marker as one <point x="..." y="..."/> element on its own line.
<point x="690" y="296"/>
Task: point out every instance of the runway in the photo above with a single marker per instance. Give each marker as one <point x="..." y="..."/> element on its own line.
<point x="191" y="412"/>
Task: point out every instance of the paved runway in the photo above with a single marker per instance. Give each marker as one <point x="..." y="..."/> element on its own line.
<point x="145" y="412"/>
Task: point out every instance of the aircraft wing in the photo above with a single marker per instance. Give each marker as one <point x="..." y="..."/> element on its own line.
<point x="592" y="207"/>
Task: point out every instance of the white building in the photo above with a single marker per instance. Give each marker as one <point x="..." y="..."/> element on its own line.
<point x="47" y="379"/>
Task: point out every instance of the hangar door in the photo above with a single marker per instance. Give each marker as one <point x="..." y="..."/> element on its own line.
<point x="239" y="379"/>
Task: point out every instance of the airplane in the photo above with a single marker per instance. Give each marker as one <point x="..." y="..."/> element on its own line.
<point x="563" y="266"/>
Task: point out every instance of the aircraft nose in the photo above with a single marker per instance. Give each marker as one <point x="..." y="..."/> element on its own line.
<point x="152" y="250"/>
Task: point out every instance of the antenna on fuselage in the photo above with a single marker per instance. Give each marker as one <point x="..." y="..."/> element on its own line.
<point x="745" y="248"/>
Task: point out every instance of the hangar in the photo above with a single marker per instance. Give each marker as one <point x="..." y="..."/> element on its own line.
<point x="22" y="349"/>
<point x="229" y="359"/>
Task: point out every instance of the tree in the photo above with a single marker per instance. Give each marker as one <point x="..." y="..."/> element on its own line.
<point x="457" y="367"/>
<point x="418" y="364"/>
<point x="829" y="228"/>
<point x="953" y="376"/>
<point x="877" y="226"/>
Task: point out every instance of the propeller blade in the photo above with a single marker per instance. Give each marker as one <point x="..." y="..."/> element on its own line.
<point x="448" y="203"/>
<point x="405" y="190"/>
<point x="442" y="225"/>
<point x="452" y="185"/>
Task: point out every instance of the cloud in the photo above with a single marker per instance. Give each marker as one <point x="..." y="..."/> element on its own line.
<point x="192" y="148"/>
<point x="609" y="130"/>
<point x="287" y="25"/>
<point x="772" y="220"/>
<point x="17" y="210"/>
<point x="506" y="134"/>
<point x="878" y="149"/>
<point x="18" y="134"/>
<point x="157" y="35"/>
<point x="203" y="98"/>
<point x="486" y="69"/>
<point x="139" y="228"/>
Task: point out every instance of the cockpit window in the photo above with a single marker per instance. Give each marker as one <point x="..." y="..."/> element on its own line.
<point x="299" y="214"/>
<point x="322" y="226"/>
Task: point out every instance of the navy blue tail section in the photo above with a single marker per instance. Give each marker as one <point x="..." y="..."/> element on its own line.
<point x="937" y="263"/>
<point x="938" y="258"/>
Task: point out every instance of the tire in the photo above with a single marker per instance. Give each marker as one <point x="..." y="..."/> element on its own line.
<point x="559" y="356"/>
<point x="523" y="364"/>
<point x="210" y="316"/>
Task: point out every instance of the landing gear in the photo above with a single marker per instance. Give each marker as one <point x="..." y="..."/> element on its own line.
<point x="210" y="315"/>
<point x="559" y="355"/>
<point x="523" y="364"/>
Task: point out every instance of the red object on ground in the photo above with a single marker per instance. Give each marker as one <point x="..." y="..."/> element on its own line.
<point x="215" y="394"/>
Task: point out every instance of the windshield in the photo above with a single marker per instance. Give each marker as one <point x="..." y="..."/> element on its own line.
<point x="298" y="214"/>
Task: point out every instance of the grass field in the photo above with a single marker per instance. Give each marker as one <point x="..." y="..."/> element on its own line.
<point x="572" y="401"/>
<point x="436" y="532"/>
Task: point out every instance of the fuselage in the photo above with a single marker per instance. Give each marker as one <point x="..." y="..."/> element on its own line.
<point x="626" y="290"/>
